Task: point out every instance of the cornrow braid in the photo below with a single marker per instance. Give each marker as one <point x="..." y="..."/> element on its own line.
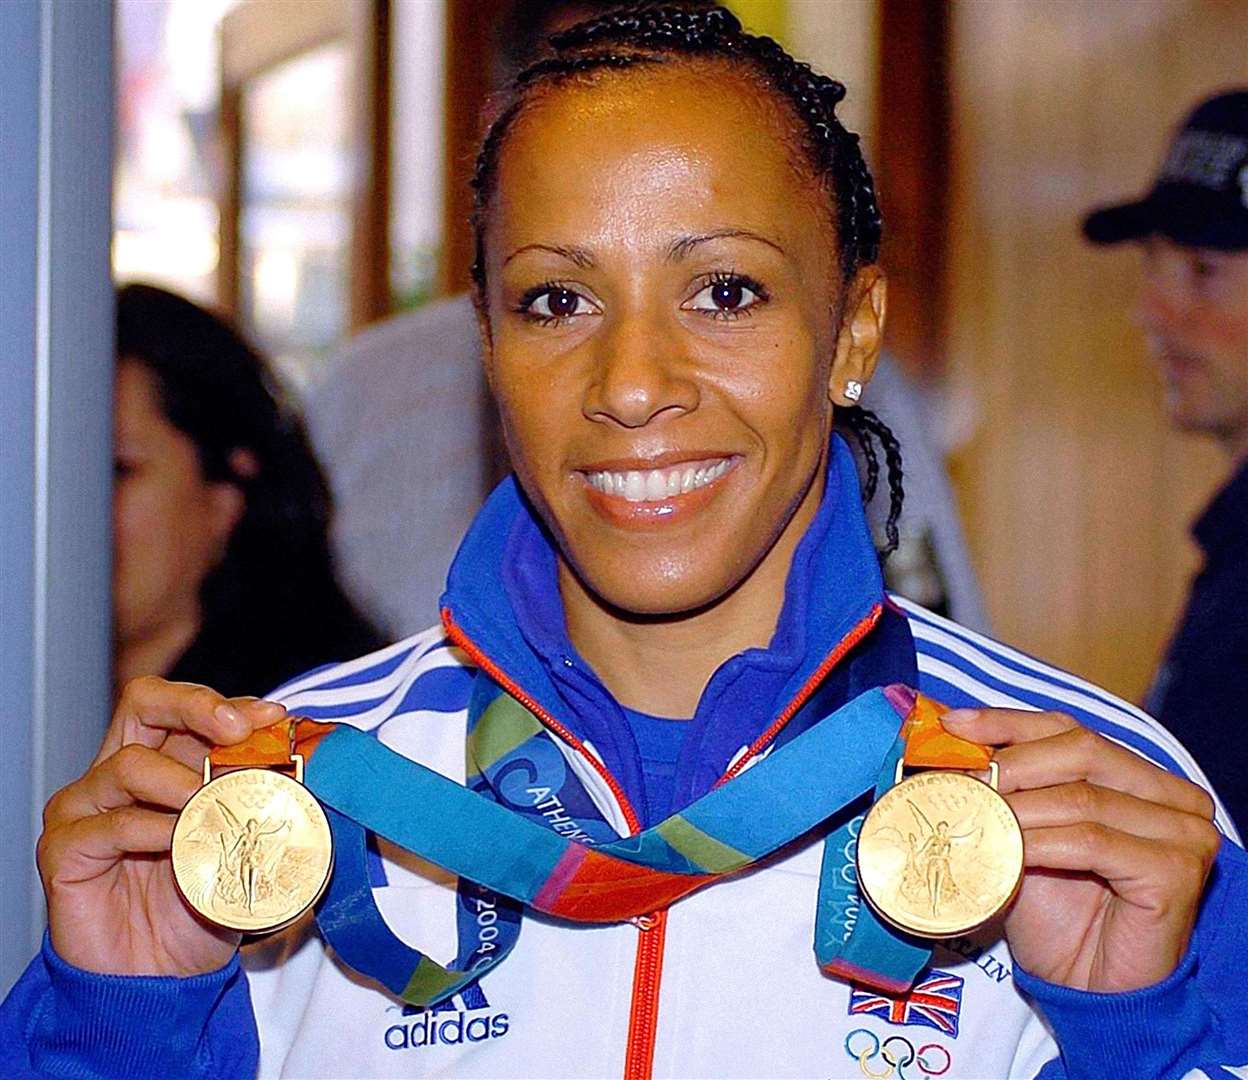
<point x="646" y="34"/>
<point x="867" y="428"/>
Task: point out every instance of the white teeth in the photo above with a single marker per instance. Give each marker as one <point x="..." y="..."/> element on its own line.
<point x="653" y="485"/>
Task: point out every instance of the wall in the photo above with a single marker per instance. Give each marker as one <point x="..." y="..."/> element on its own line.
<point x="56" y="329"/>
<point x="1076" y="495"/>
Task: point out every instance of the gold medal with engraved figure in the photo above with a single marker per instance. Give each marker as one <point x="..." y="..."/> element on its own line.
<point x="252" y="850"/>
<point x="940" y="854"/>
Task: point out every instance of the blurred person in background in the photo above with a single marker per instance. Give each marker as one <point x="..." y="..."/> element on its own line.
<point x="1192" y="230"/>
<point x="408" y="483"/>
<point x="222" y="570"/>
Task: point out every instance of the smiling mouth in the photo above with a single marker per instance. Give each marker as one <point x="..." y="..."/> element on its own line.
<point x="659" y="485"/>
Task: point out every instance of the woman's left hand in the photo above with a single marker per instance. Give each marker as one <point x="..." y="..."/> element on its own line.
<point x="1116" y="851"/>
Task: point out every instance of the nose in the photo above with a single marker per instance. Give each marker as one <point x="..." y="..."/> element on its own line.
<point x="1156" y="309"/>
<point x="640" y="373"/>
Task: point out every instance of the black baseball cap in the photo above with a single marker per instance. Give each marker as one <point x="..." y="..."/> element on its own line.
<point x="1200" y="198"/>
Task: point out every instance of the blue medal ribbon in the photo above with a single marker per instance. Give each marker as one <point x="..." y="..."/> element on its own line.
<point x="507" y="860"/>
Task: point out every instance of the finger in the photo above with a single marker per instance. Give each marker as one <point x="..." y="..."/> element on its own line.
<point x="1046" y="748"/>
<point x="135" y="774"/>
<point x="86" y="848"/>
<point x="1147" y="873"/>
<point x="1005" y="727"/>
<point x="1081" y="755"/>
<point x="150" y="708"/>
<point x="1080" y="801"/>
<point x="190" y="750"/>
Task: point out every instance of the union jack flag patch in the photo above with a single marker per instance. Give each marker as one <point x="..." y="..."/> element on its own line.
<point x="934" y="1001"/>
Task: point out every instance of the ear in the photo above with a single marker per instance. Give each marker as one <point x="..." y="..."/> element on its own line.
<point x="861" y="334"/>
<point x="227" y="501"/>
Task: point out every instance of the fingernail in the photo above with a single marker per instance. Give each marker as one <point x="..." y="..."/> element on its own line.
<point x="963" y="716"/>
<point x="227" y="714"/>
<point x="272" y="708"/>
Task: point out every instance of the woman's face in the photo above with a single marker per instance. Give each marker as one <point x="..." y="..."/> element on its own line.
<point x="170" y="525"/>
<point x="662" y="301"/>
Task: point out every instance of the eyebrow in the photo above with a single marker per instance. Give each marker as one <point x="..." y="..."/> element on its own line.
<point x="579" y="256"/>
<point x="685" y="244"/>
<point x="678" y="249"/>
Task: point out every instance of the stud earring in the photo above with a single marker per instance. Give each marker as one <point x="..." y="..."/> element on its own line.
<point x="853" y="389"/>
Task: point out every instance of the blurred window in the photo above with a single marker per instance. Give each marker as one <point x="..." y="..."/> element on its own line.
<point x="294" y="225"/>
<point x="305" y="108"/>
<point x="418" y="72"/>
<point x="165" y="186"/>
<point x="282" y="160"/>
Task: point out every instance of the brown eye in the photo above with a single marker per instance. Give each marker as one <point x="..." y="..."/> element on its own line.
<point x="561" y="302"/>
<point x="727" y="295"/>
<point x="554" y="302"/>
<point x="731" y="294"/>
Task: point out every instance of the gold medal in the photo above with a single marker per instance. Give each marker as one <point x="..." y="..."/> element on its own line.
<point x="252" y="849"/>
<point x="940" y="854"/>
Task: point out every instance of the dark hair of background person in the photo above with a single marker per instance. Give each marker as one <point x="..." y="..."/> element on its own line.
<point x="634" y="36"/>
<point x="272" y="608"/>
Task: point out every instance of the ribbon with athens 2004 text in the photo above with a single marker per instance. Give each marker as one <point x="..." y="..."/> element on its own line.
<point x="506" y="860"/>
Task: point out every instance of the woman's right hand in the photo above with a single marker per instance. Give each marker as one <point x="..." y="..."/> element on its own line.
<point x="104" y="854"/>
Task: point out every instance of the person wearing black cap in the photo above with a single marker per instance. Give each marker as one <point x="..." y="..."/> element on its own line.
<point x="1193" y="229"/>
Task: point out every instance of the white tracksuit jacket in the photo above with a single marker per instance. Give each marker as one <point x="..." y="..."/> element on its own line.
<point x="737" y="992"/>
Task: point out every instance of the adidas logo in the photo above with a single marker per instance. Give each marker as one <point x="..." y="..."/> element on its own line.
<point x="464" y="1018"/>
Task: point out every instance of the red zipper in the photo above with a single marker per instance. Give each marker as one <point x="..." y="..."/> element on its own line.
<point x="652" y="929"/>
<point x="643" y="1013"/>
<point x="495" y="672"/>
<point x="799" y="699"/>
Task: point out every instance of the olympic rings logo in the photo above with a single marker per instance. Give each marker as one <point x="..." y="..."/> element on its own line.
<point x="897" y="1054"/>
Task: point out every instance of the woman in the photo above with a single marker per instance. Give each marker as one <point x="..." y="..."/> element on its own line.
<point x="220" y="511"/>
<point x="676" y="276"/>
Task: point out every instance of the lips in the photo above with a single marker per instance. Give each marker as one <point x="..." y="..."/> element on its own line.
<point x="663" y="489"/>
<point x="656" y="485"/>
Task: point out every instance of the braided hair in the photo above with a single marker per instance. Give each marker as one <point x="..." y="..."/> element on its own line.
<point x="646" y="34"/>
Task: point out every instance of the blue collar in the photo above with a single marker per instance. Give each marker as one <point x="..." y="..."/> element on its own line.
<point x="502" y="604"/>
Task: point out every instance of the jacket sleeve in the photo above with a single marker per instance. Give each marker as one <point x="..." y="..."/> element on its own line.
<point x="59" y="1020"/>
<point x="1186" y="1027"/>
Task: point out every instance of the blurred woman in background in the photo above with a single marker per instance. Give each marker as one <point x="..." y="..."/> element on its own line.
<point x="220" y="511"/>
